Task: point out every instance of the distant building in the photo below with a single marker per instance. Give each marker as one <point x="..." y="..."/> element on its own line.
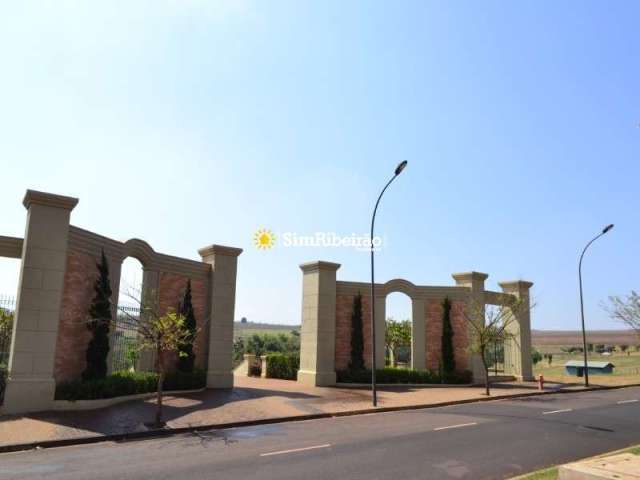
<point x="576" y="367"/>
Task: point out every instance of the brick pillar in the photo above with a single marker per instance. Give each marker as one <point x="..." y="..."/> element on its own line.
<point x="224" y="263"/>
<point x="418" y="335"/>
<point x="518" y="347"/>
<point x="30" y="386"/>
<point x="318" y="331"/>
<point x="474" y="281"/>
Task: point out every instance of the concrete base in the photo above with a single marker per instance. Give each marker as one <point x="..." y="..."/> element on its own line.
<point x="317" y="379"/>
<point x="219" y="380"/>
<point x="624" y="466"/>
<point x="24" y="395"/>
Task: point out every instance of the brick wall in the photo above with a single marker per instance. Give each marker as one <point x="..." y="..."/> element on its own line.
<point x="73" y="335"/>
<point x="344" y="308"/>
<point x="170" y="293"/>
<point x="433" y="312"/>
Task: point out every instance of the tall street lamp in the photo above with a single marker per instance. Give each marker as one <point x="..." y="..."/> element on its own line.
<point x="584" y="334"/>
<point x="397" y="172"/>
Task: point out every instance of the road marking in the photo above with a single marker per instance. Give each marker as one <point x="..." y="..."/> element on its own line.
<point x="455" y="426"/>
<point x="627" y="401"/>
<point x="558" y="411"/>
<point x="293" y="450"/>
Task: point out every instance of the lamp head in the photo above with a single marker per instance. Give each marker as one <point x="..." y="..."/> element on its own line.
<point x="401" y="166"/>
<point x="607" y="228"/>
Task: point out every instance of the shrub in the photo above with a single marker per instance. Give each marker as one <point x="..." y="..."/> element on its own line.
<point x="535" y="356"/>
<point x="3" y="380"/>
<point x="401" y="375"/>
<point x="128" y="383"/>
<point x="284" y="366"/>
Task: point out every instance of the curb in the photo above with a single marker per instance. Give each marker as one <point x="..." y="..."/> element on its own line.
<point x="165" y="432"/>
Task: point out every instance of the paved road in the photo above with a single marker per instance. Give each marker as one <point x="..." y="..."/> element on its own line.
<point x="490" y="440"/>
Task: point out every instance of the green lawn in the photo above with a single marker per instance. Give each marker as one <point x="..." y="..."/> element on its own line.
<point x="626" y="371"/>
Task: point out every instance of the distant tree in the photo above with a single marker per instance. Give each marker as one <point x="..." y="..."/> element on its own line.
<point x="536" y="357"/>
<point x="600" y="348"/>
<point x="357" y="341"/>
<point x="626" y="310"/>
<point x="550" y="358"/>
<point x="398" y="334"/>
<point x="448" y="356"/>
<point x="623" y="348"/>
<point x="99" y="324"/>
<point x="490" y="326"/>
<point x="187" y="357"/>
<point x="589" y="347"/>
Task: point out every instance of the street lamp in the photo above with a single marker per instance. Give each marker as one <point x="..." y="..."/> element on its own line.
<point x="397" y="172"/>
<point x="584" y="334"/>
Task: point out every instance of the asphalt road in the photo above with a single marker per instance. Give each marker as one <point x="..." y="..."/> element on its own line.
<point x="491" y="440"/>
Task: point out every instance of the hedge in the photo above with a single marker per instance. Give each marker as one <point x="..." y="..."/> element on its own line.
<point x="128" y="383"/>
<point x="402" y="375"/>
<point x="283" y="365"/>
<point x="3" y="381"/>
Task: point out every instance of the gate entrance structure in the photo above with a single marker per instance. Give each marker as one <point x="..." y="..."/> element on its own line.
<point x="57" y="275"/>
<point x="325" y="336"/>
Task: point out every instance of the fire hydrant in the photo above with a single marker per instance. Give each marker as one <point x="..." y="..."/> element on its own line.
<point x="541" y="383"/>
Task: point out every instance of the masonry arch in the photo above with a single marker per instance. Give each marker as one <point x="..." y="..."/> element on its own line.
<point x="406" y="293"/>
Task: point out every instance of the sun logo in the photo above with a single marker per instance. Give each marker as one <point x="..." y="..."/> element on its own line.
<point x="264" y="239"/>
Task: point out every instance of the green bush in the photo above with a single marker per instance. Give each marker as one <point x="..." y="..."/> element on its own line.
<point x="282" y="365"/>
<point x="3" y="380"/>
<point x="128" y="383"/>
<point x="401" y="375"/>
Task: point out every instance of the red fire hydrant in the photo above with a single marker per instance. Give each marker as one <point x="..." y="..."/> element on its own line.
<point x="541" y="383"/>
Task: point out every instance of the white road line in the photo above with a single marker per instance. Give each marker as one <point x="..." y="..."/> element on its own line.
<point x="455" y="426"/>
<point x="558" y="411"/>
<point x="282" y="452"/>
<point x="627" y="401"/>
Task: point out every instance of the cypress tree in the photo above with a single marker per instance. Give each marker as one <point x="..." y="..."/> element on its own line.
<point x="99" y="324"/>
<point x="357" y="341"/>
<point x="448" y="357"/>
<point x="186" y="360"/>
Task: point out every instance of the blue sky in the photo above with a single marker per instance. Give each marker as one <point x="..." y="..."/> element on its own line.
<point x="187" y="123"/>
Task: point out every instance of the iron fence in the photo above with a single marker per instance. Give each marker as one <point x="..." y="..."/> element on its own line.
<point x="495" y="358"/>
<point x="124" y="340"/>
<point x="7" y="308"/>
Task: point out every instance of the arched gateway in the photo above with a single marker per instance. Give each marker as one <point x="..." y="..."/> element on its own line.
<point x="326" y="322"/>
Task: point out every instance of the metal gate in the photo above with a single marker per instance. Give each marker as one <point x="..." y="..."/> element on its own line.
<point x="495" y="358"/>
<point x="7" y="313"/>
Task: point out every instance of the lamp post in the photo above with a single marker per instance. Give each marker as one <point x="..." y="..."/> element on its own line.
<point x="397" y="172"/>
<point x="584" y="334"/>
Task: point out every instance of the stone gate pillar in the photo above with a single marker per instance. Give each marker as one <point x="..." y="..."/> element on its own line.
<point x="476" y="310"/>
<point x="518" y="347"/>
<point x="318" y="331"/>
<point x="224" y="262"/>
<point x="30" y="385"/>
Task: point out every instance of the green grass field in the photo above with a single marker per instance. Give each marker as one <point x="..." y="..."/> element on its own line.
<point x="249" y="328"/>
<point x="626" y="371"/>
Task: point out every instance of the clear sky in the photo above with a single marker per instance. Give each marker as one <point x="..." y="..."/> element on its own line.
<point x="187" y="123"/>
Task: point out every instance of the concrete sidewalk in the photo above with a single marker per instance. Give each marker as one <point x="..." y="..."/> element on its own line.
<point x="252" y="399"/>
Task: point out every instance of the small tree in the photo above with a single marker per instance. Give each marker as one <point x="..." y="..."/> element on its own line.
<point x="490" y="326"/>
<point x="99" y="324"/>
<point x="448" y="356"/>
<point x="398" y="334"/>
<point x="186" y="359"/>
<point x="626" y="310"/>
<point x="357" y="342"/>
<point x="161" y="333"/>
<point x="536" y="357"/>
<point x="550" y="358"/>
